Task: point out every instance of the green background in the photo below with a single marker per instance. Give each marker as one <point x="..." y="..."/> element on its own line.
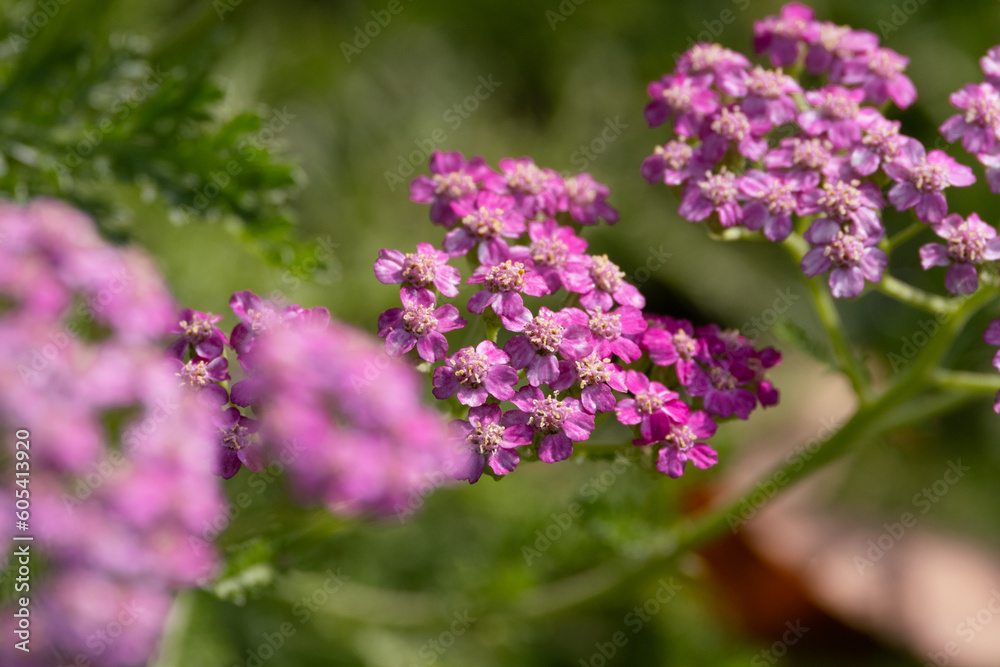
<point x="346" y="122"/>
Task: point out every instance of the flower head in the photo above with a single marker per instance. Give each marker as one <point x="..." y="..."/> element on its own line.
<point x="970" y="243"/>
<point x="419" y="323"/>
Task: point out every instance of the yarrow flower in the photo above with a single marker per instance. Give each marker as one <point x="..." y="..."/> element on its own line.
<point x="490" y="439"/>
<point x="713" y="193"/>
<point x="557" y="368"/>
<point x="560" y="422"/>
<point x="850" y="256"/>
<point x="922" y="178"/>
<point x="419" y="323"/>
<point x="453" y="181"/>
<point x="680" y="444"/>
<point x="475" y="374"/>
<point x="546" y="335"/>
<point x="970" y="243"/>
<point x="653" y="406"/>
<point x="198" y="334"/>
<point x="992" y="337"/>
<point x="979" y="126"/>
<point x="504" y="285"/>
<point x="153" y="504"/>
<point x="426" y="268"/>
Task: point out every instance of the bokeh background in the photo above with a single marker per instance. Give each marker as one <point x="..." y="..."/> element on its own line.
<point x="454" y="585"/>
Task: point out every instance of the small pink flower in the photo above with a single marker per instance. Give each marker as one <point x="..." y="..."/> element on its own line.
<point x="424" y="268"/>
<point x="476" y="374"/>
<point x="970" y="243"/>
<point x="419" y="323"/>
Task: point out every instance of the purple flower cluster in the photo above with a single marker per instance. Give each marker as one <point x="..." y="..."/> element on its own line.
<point x="978" y="126"/>
<point x="346" y="422"/>
<point x="199" y="362"/>
<point x="992" y="337"/>
<point x="750" y="147"/>
<point x="557" y="369"/>
<point x="352" y="429"/>
<point x="119" y="486"/>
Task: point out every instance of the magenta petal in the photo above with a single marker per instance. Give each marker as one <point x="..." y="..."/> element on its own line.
<point x="399" y="342"/>
<point x="479" y="301"/>
<point x="521" y="351"/>
<point x="992" y="333"/>
<point x="250" y="456"/>
<point x="579" y="426"/>
<point x="432" y="347"/>
<point x="670" y="463"/>
<point x="555" y="447"/>
<point x="961" y="279"/>
<point x="500" y="381"/>
<point x="469" y="466"/>
<point x="846" y="283"/>
<point x="815" y="262"/>
<point x="227" y="463"/>
<point x="504" y="461"/>
<point x="933" y="254"/>
<point x="904" y="195"/>
<point x="703" y="456"/>
<point x="597" y="398"/>
<point x="627" y="413"/>
<point x="932" y="207"/>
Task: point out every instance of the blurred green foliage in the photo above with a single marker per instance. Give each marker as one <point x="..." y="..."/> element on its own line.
<point x="349" y="109"/>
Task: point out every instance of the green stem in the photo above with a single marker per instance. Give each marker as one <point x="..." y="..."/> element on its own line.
<point x="737" y="234"/>
<point x="981" y="383"/>
<point x="830" y="319"/>
<point x="889" y="244"/>
<point x="917" y="298"/>
<point x="688" y="534"/>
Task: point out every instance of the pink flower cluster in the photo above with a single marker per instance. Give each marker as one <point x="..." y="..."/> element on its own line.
<point x="556" y="369"/>
<point x="346" y="423"/>
<point x="114" y="461"/>
<point x="199" y="362"/>
<point x="752" y="148"/>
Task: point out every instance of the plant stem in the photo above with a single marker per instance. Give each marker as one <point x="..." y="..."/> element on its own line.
<point x="981" y="383"/>
<point x="908" y="294"/>
<point x="890" y="244"/>
<point x="688" y="534"/>
<point x="830" y="319"/>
